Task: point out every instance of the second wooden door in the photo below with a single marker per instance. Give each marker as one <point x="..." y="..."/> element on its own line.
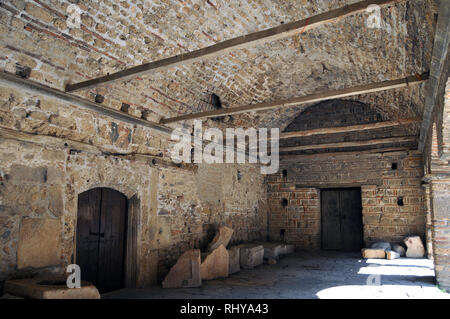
<point x="341" y="219"/>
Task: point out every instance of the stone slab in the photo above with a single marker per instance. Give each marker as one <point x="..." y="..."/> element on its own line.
<point x="186" y="271"/>
<point x="251" y="255"/>
<point x="373" y="253"/>
<point x="21" y="173"/>
<point x="390" y="254"/>
<point x="215" y="264"/>
<point x="223" y="237"/>
<point x="399" y="249"/>
<point x="273" y="250"/>
<point x="234" y="260"/>
<point x="42" y="288"/>
<point x="39" y="243"/>
<point x="287" y="249"/>
<point x="382" y="245"/>
<point x="414" y="246"/>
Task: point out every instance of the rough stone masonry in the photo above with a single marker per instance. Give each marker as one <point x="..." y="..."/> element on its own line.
<point x="52" y="150"/>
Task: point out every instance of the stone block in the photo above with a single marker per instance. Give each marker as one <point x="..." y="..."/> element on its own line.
<point x="39" y="243"/>
<point x="186" y="272"/>
<point x="215" y="264"/>
<point x="390" y="254"/>
<point x="223" y="237"/>
<point x="399" y="249"/>
<point x="55" y="203"/>
<point x="42" y="288"/>
<point x="251" y="255"/>
<point x="273" y="250"/>
<point x="38" y="12"/>
<point x="373" y="253"/>
<point x="21" y="173"/>
<point x="287" y="249"/>
<point x="414" y="246"/>
<point x="234" y="260"/>
<point x="382" y="245"/>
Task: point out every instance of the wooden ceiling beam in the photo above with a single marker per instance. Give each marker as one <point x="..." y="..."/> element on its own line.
<point x="245" y="41"/>
<point x="316" y="97"/>
<point x="375" y="151"/>
<point x="351" y="128"/>
<point x="389" y="140"/>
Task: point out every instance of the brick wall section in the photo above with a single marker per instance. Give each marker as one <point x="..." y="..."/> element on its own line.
<point x="446" y="117"/>
<point x="440" y="192"/>
<point x="429" y="224"/>
<point x="300" y="220"/>
<point x="339" y="113"/>
<point x="381" y="187"/>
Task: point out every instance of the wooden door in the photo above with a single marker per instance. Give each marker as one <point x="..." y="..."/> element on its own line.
<point x="341" y="219"/>
<point x="101" y="231"/>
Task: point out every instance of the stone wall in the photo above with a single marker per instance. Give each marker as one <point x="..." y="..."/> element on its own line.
<point x="299" y="221"/>
<point x="191" y="207"/>
<point x="52" y="151"/>
<point x="381" y="187"/>
<point x="438" y="178"/>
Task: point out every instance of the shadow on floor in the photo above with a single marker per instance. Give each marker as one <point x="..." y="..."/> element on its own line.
<point x="312" y="275"/>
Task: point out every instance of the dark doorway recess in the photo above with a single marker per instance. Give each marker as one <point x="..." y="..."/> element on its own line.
<point x="101" y="238"/>
<point x="342" y="227"/>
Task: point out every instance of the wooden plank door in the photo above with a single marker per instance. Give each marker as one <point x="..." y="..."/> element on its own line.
<point x="351" y="219"/>
<point x="341" y="219"/>
<point x="331" y="228"/>
<point x="112" y="240"/>
<point x="107" y="212"/>
<point x="88" y="223"/>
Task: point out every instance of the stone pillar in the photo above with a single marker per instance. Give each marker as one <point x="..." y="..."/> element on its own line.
<point x="428" y="226"/>
<point x="440" y="217"/>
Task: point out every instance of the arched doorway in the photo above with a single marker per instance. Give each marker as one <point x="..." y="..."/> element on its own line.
<point x="101" y="238"/>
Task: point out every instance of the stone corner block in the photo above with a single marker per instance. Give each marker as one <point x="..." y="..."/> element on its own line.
<point x="186" y="271"/>
<point x="223" y="237"/>
<point x="215" y="264"/>
<point x="377" y="253"/>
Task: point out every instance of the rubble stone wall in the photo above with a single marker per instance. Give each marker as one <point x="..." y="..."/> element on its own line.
<point x="51" y="151"/>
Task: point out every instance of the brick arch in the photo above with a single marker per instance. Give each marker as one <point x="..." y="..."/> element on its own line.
<point x="334" y="113"/>
<point x="126" y="190"/>
<point x="443" y="124"/>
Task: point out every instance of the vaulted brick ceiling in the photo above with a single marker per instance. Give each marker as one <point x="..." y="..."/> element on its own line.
<point x="115" y="36"/>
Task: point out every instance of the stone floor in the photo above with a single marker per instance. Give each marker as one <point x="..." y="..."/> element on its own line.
<point x="318" y="275"/>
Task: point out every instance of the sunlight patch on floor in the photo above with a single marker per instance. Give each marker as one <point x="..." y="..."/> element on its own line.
<point x="382" y="291"/>
<point x="398" y="267"/>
